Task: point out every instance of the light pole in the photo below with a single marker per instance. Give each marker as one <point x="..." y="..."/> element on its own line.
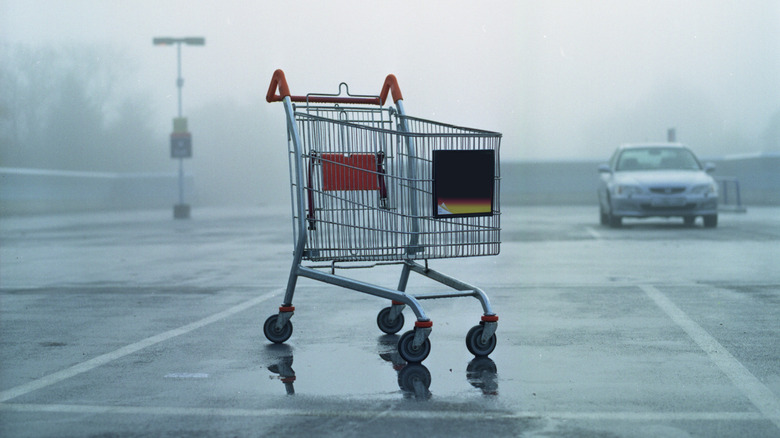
<point x="181" y="139"/>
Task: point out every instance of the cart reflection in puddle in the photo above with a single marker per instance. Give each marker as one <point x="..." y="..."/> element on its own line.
<point x="414" y="379"/>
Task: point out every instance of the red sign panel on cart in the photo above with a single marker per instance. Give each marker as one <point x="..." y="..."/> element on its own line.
<point x="349" y="172"/>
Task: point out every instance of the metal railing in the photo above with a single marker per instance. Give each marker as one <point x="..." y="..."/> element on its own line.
<point x="730" y="197"/>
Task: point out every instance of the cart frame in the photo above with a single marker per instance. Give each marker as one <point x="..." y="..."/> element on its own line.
<point x="414" y="345"/>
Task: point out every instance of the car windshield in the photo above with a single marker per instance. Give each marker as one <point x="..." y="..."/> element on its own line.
<point x="657" y="159"/>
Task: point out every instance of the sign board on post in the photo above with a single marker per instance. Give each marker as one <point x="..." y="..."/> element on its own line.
<point x="181" y="145"/>
<point x="181" y="139"/>
<point x="180" y="124"/>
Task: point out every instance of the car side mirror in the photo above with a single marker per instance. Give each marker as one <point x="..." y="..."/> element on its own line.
<point x="604" y="168"/>
<point x="709" y="167"/>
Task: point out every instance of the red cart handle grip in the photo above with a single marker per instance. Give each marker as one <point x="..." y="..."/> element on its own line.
<point x="279" y="82"/>
<point x="391" y="86"/>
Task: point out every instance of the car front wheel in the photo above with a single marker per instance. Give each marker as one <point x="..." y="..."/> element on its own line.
<point x="711" y="220"/>
<point x="608" y="218"/>
<point x="613" y="220"/>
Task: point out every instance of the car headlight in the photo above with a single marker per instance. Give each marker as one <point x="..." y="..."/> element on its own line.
<point x="627" y="190"/>
<point x="705" y="189"/>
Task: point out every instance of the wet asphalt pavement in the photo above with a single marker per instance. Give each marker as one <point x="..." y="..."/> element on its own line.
<point x="134" y="324"/>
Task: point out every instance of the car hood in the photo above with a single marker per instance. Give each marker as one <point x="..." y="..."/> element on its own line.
<point x="663" y="178"/>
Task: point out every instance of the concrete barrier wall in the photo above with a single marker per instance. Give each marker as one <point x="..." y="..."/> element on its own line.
<point x="549" y="182"/>
<point x="758" y="176"/>
<point x="25" y="191"/>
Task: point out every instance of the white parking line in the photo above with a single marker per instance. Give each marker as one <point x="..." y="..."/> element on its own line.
<point x="761" y="396"/>
<point x="129" y="349"/>
<point x="595" y="234"/>
<point x="399" y="414"/>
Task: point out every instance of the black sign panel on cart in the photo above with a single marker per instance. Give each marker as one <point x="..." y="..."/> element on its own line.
<point x="463" y="182"/>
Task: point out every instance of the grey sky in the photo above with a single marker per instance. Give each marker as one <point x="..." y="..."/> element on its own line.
<point x="560" y="79"/>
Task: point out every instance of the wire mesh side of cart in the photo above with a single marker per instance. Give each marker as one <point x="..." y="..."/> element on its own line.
<point x="367" y="187"/>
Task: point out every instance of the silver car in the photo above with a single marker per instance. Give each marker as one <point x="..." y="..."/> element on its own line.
<point x="657" y="180"/>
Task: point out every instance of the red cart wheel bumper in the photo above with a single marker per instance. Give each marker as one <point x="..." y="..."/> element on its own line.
<point x="285" y="313"/>
<point x="490" y="324"/>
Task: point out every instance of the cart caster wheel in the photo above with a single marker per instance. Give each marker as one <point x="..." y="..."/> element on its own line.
<point x="275" y="334"/>
<point x="388" y="326"/>
<point x="407" y="350"/>
<point x="476" y="346"/>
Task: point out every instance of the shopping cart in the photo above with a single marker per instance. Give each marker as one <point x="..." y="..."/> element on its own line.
<point x="370" y="184"/>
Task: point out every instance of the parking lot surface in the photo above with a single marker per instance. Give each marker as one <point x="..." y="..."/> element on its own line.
<point x="135" y="324"/>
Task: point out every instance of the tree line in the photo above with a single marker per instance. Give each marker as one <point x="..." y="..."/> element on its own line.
<point x="73" y="108"/>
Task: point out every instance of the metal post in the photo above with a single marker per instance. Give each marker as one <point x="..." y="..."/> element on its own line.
<point x="181" y="181"/>
<point x="179" y="85"/>
<point x="179" y="79"/>
<point x="181" y="141"/>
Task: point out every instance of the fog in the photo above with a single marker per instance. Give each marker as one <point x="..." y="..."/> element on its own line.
<point x="560" y="79"/>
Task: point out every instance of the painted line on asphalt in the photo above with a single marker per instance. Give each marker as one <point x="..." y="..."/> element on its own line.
<point x="370" y="414"/>
<point x="758" y="394"/>
<point x="595" y="234"/>
<point x="93" y="363"/>
<point x="186" y="376"/>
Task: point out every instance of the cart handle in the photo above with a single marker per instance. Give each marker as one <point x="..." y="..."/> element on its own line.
<point x="278" y="82"/>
